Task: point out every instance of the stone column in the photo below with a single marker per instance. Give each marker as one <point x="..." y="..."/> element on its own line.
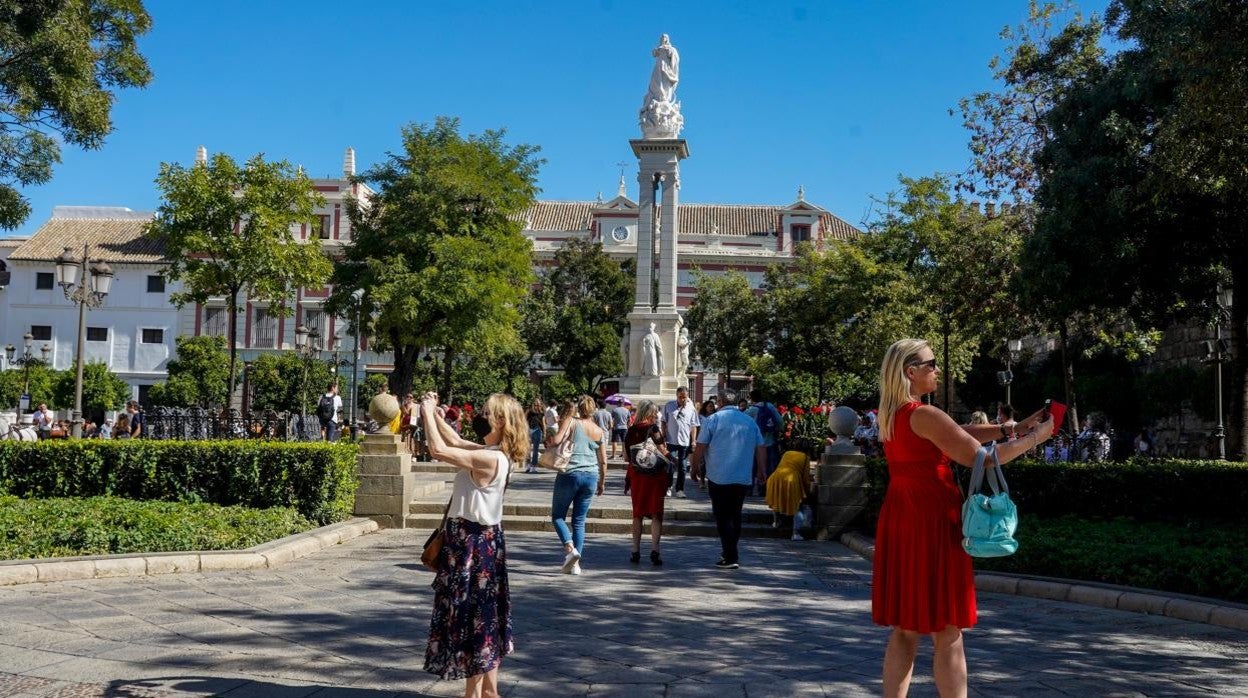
<point x="386" y="480"/>
<point x="645" y="242"/>
<point x="669" y="235"/>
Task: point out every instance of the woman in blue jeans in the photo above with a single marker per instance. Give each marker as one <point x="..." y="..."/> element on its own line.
<point x="585" y="477"/>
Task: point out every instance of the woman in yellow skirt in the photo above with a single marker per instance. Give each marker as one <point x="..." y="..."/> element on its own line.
<point x="788" y="486"/>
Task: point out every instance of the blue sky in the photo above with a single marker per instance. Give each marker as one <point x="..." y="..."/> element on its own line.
<point x="838" y="96"/>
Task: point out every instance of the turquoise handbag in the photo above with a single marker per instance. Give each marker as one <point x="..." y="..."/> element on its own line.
<point x="988" y="521"/>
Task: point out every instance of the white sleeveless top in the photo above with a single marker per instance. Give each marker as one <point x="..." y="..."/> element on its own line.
<point x="483" y="505"/>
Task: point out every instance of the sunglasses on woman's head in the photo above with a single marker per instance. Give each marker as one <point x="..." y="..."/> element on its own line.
<point x="917" y="364"/>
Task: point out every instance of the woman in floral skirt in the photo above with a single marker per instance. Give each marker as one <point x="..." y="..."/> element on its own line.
<point x="470" y="631"/>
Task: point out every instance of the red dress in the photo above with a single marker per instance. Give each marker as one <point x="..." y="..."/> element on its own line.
<point x="922" y="578"/>
<point x="646" y="489"/>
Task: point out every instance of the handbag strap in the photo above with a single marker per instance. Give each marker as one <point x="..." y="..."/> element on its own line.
<point x="994" y="475"/>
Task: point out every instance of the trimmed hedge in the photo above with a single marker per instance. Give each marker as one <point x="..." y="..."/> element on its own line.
<point x="316" y="479"/>
<point x="39" y="528"/>
<point x="1142" y="489"/>
<point x="1201" y="558"/>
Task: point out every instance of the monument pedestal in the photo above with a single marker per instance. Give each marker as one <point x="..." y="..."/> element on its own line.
<point x="386" y="480"/>
<point x="658" y="389"/>
<point x="842" y="491"/>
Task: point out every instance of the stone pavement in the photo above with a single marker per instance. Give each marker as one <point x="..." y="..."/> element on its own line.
<point x="350" y="622"/>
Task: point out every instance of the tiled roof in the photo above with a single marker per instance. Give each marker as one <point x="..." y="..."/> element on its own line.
<point x="12" y="243"/>
<point x="115" y="240"/>
<point x="695" y="219"/>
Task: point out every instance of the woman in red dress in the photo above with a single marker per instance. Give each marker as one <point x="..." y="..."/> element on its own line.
<point x="648" y="489"/>
<point x="922" y="582"/>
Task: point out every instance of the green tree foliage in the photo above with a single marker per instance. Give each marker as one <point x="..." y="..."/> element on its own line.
<point x="439" y="249"/>
<point x="284" y="382"/>
<point x="1144" y="194"/>
<point x="198" y="377"/>
<point x="62" y="60"/>
<point x="102" y="390"/>
<point x="41" y="381"/>
<point x="227" y="231"/>
<point x="590" y="296"/>
<point x="373" y="384"/>
<point x="727" y="321"/>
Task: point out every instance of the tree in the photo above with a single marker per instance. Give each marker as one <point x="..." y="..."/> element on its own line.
<point x="1145" y="191"/>
<point x="286" y="382"/>
<point x="726" y="321"/>
<point x="62" y="60"/>
<point x="591" y="295"/>
<point x="228" y="231"/>
<point x="198" y="377"/>
<point x="41" y="380"/>
<point x="439" y="250"/>
<point x="102" y="390"/>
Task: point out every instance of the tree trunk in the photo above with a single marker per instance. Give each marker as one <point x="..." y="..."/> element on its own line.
<point x="1237" y="439"/>
<point x="821" y="394"/>
<point x="1068" y="379"/>
<point x="232" y="313"/>
<point x="400" y="380"/>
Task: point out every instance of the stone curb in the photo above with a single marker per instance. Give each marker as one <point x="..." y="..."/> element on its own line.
<point x="1191" y="608"/>
<point x="264" y="556"/>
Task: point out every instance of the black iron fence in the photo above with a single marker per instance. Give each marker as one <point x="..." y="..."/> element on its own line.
<point x="195" y="423"/>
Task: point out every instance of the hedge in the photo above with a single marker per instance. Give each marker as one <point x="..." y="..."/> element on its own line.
<point x="316" y="479"/>
<point x="38" y="528"/>
<point x="1142" y="489"/>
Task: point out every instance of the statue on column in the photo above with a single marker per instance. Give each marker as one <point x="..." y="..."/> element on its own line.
<point x="682" y="353"/>
<point x="660" y="112"/>
<point x="652" y="353"/>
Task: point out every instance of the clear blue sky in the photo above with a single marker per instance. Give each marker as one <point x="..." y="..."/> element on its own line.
<point x="836" y="95"/>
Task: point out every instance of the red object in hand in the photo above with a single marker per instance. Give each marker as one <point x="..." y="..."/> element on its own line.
<point x="1057" y="411"/>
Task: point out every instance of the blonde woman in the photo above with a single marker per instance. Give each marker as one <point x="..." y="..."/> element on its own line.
<point x="584" y="478"/>
<point x="471" y="629"/>
<point x="922" y="582"/>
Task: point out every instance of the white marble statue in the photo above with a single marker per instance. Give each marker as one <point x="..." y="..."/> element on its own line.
<point x="652" y="353"/>
<point x="660" y="112"/>
<point x="624" y="348"/>
<point x="682" y="352"/>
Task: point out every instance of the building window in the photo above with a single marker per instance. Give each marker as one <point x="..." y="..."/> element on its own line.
<point x="315" y="320"/>
<point x="97" y="334"/>
<point x="216" y="320"/>
<point x="799" y="233"/>
<point x="44" y="280"/>
<point x="41" y="333"/>
<point x="323" y="229"/>
<point x="153" y="336"/>
<point x="155" y="284"/>
<point x="264" y="333"/>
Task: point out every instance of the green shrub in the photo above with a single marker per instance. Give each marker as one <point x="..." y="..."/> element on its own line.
<point x="36" y="528"/>
<point x="1141" y="489"/>
<point x="1201" y="558"/>
<point x="316" y="479"/>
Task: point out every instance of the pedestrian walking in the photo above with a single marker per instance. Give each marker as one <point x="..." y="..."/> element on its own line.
<point x="470" y="630"/>
<point x="770" y="423"/>
<point x="328" y="410"/>
<point x="619" y="428"/>
<point x="731" y="454"/>
<point x="680" y="427"/>
<point x="584" y="478"/>
<point x="647" y="488"/>
<point x="137" y="423"/>
<point x="602" y="416"/>
<point x="535" y="418"/>
<point x="922" y="582"/>
<point x="707" y="409"/>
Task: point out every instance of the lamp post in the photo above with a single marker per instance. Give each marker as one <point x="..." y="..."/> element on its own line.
<point x="1218" y="352"/>
<point x="26" y="360"/>
<point x="358" y="296"/>
<point x="945" y="312"/>
<point x="306" y="348"/>
<point x="1015" y="348"/>
<point x="72" y="275"/>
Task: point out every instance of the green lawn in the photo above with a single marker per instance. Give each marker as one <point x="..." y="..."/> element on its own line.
<point x="60" y="527"/>
<point x="1200" y="558"/>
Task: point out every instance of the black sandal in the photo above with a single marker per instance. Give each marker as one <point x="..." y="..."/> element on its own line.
<point x="635" y="557"/>
<point x="655" y="558"/>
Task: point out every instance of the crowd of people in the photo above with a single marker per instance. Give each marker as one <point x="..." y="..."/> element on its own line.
<point x="129" y="424"/>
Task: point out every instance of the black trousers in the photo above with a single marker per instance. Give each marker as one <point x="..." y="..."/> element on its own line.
<point x="726" y="503"/>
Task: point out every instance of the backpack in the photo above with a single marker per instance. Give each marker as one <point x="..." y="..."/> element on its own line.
<point x="325" y="408"/>
<point x="648" y="459"/>
<point x="766" y="418"/>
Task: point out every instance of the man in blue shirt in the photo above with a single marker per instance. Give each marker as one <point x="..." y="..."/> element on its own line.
<point x="731" y="454"/>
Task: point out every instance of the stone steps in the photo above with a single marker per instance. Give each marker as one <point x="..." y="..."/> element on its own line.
<point x="600" y="513"/>
<point x="435" y="467"/>
<point x="678" y="527"/>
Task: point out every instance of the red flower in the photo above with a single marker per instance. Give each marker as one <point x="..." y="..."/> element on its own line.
<point x="782" y="409"/>
<point x="799" y="411"/>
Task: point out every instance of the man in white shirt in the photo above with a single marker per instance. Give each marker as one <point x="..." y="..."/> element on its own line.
<point x="680" y="428"/>
<point x="551" y="418"/>
<point x="328" y="411"/>
<point x="42" y="420"/>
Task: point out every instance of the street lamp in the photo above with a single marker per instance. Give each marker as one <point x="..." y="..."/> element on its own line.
<point x="1218" y="352"/>
<point x="26" y="360"/>
<point x="945" y="312"/>
<point x="358" y="296"/>
<point x="306" y="348"/>
<point x="71" y="274"/>
<point x="1006" y="377"/>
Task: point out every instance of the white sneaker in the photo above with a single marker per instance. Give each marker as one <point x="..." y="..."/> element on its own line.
<point x="669" y="491"/>
<point x="576" y="569"/>
<point x="570" y="561"/>
<point x="797" y="536"/>
<point x="680" y="494"/>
